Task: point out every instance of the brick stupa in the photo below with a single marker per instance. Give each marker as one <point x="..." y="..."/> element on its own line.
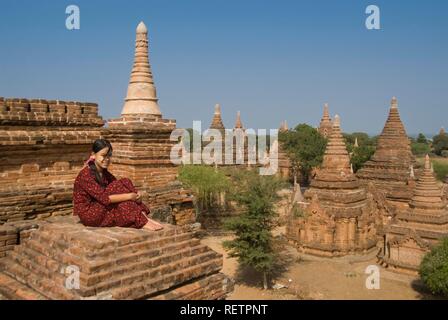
<point x="284" y="162"/>
<point x="142" y="146"/>
<point x="390" y="167"/>
<point x="340" y="217"/>
<point x="325" y="125"/>
<point x="217" y="119"/>
<point x="414" y="232"/>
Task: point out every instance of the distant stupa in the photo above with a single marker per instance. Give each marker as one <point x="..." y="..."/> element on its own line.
<point x="326" y="125"/>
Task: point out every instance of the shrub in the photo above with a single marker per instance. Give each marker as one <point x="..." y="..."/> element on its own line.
<point x="440" y="169"/>
<point x="206" y="183"/>
<point x="434" y="269"/>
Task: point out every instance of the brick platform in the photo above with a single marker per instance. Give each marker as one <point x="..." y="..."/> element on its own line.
<point x="114" y="263"/>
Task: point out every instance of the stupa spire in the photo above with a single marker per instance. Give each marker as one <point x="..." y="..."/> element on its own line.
<point x="141" y="97"/>
<point x="325" y="125"/>
<point x="326" y="112"/>
<point x="336" y="157"/>
<point x="217" y="120"/>
<point x="283" y="126"/>
<point x="238" y="123"/>
<point x="427" y="194"/>
<point x="389" y="167"/>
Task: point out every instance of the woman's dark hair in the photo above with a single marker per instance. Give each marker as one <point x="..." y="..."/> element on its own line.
<point x="97" y="146"/>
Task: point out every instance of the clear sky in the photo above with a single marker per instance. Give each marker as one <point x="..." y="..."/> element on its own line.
<point x="273" y="60"/>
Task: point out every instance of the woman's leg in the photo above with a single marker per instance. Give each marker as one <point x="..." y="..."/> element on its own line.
<point x="121" y="186"/>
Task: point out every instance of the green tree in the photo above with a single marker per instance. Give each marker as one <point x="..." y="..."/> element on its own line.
<point x="305" y="147"/>
<point x="366" y="148"/>
<point x="363" y="140"/>
<point x="420" y="149"/>
<point x="421" y="138"/>
<point x="253" y="244"/>
<point x="440" y="143"/>
<point x="361" y="155"/>
<point x="434" y="269"/>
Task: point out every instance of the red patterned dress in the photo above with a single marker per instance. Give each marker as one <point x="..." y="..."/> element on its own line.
<point x="92" y="205"/>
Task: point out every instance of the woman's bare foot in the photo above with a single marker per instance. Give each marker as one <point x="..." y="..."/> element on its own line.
<point x="153" y="225"/>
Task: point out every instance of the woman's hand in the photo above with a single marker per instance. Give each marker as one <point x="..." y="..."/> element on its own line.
<point x="133" y="196"/>
<point x="139" y="197"/>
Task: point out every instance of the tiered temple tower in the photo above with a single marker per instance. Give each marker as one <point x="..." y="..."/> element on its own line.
<point x="217" y="119"/>
<point x="340" y="218"/>
<point x="391" y="165"/>
<point x="142" y="146"/>
<point x="284" y="163"/>
<point x="326" y="125"/>
<point x="414" y="232"/>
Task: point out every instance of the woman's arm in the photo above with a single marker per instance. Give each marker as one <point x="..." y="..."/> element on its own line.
<point x="117" y="198"/>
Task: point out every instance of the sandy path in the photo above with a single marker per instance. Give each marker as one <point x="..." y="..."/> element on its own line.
<point x="319" y="278"/>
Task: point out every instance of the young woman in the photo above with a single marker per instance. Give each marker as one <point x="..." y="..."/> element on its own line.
<point x="100" y="200"/>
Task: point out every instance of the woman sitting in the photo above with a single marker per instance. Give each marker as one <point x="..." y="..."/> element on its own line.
<point x="100" y="200"/>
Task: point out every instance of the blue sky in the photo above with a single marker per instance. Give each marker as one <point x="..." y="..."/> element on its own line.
<point x="273" y="60"/>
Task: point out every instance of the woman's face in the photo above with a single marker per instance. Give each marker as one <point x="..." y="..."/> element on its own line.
<point x="102" y="158"/>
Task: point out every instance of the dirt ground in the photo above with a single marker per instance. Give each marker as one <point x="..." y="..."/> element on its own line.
<point x="307" y="277"/>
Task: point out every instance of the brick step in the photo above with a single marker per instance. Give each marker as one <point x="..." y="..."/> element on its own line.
<point x="43" y="286"/>
<point x="144" y="265"/>
<point x="145" y="245"/>
<point x="24" y="262"/>
<point x="141" y="277"/>
<point x="35" y="252"/>
<point x="215" y="286"/>
<point x="150" y="243"/>
<point x="132" y="258"/>
<point x="11" y="289"/>
<point x="147" y="288"/>
<point x="30" y="266"/>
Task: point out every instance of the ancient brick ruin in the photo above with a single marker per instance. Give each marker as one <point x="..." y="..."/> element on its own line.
<point x="43" y="146"/>
<point x="338" y="216"/>
<point x="414" y="232"/>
